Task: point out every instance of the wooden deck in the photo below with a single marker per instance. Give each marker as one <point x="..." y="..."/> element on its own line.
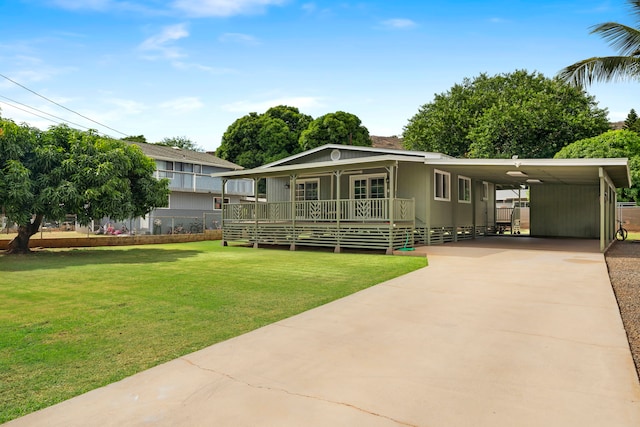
<point x="363" y="223"/>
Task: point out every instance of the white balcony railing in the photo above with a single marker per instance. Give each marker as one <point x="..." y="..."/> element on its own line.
<point x="189" y="181"/>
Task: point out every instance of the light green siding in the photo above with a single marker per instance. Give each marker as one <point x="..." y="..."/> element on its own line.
<point x="484" y="207"/>
<point x="565" y="211"/>
<point x="412" y="183"/>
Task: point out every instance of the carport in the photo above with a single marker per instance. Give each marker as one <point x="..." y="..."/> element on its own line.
<point x="573" y="198"/>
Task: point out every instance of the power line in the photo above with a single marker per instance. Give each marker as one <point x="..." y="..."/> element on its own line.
<point x="30" y="112"/>
<point x="40" y="111"/>
<point x="62" y="106"/>
<point x="64" y="121"/>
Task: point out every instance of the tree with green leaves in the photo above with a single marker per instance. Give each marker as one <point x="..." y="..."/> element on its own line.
<point x="632" y="122"/>
<point x="519" y="113"/>
<point x="180" y="142"/>
<point x="50" y="174"/>
<point x="135" y="138"/>
<point x="335" y="128"/>
<point x="256" y="139"/>
<point x="626" y="65"/>
<point x="612" y="144"/>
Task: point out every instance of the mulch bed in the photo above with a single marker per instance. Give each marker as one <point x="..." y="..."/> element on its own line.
<point x="623" y="261"/>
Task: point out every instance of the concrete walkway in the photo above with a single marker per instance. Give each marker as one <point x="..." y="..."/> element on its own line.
<point x="484" y="336"/>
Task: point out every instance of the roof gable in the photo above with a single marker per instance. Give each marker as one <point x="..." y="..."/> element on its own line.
<point x="334" y="152"/>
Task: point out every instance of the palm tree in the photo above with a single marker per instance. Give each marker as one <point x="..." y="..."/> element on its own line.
<point x="624" y="39"/>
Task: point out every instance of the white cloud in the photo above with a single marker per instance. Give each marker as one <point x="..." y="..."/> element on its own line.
<point x="154" y="8"/>
<point x="301" y="102"/>
<point x="201" y="8"/>
<point x="398" y="23"/>
<point x="128" y="106"/>
<point x="184" y="104"/>
<point x="309" y="7"/>
<point x="83" y="4"/>
<point x="161" y="43"/>
<point x="207" y="69"/>
<point x="239" y="38"/>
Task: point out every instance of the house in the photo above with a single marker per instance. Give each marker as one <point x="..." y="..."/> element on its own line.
<point x="195" y="199"/>
<point x="344" y="196"/>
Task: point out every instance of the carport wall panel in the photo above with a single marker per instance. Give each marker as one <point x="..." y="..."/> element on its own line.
<point x="565" y="211"/>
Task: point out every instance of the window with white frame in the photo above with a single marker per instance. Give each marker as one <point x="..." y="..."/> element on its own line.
<point x="485" y="190"/>
<point x="307" y="189"/>
<point x="368" y="186"/>
<point x="442" y="185"/>
<point x="464" y="189"/>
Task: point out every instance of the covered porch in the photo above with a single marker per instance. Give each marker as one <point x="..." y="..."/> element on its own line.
<point x="355" y="207"/>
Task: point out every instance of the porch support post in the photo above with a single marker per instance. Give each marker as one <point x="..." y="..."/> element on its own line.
<point x="255" y="212"/>
<point x="292" y="208"/>
<point x="338" y="175"/>
<point x="222" y="208"/>
<point x="392" y="200"/>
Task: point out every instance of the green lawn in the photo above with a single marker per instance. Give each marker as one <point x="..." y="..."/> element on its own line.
<point x="74" y="320"/>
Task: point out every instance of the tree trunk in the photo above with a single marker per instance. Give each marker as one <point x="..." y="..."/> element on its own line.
<point x="20" y="243"/>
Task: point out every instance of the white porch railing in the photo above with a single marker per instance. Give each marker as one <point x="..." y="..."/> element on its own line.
<point x="358" y="210"/>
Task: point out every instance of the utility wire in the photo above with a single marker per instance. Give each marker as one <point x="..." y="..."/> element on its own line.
<point x="30" y="112"/>
<point x="40" y="111"/>
<point x="62" y="106"/>
<point x="64" y="121"/>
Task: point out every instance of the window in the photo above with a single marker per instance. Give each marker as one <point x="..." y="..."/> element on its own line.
<point x="442" y="185"/>
<point x="464" y="189"/>
<point x="307" y="189"/>
<point x="369" y="186"/>
<point x="168" y="170"/>
<point x="217" y="202"/>
<point x="485" y="190"/>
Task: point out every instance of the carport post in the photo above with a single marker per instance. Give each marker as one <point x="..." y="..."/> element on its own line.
<point x="606" y="217"/>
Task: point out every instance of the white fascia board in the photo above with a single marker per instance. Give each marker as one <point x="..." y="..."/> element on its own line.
<point x="530" y="162"/>
<point x="320" y="166"/>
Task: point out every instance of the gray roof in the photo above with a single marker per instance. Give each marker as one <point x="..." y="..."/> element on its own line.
<point x="162" y="152"/>
<point x="505" y="172"/>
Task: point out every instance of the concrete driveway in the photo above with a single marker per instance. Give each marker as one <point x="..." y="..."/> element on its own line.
<point x="484" y="336"/>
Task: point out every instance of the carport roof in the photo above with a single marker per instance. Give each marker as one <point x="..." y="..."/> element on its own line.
<point x="515" y="172"/>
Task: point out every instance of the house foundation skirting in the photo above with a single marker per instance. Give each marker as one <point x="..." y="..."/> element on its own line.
<point x="357" y="236"/>
<point x="439" y="235"/>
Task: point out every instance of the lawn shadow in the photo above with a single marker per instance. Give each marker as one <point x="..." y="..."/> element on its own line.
<point x="50" y="259"/>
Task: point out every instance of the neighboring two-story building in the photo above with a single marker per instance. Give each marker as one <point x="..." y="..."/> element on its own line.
<point x="195" y="201"/>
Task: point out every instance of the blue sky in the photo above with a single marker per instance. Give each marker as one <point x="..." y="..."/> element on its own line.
<point x="191" y="68"/>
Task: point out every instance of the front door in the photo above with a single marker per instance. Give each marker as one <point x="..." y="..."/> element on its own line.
<point x="366" y="191"/>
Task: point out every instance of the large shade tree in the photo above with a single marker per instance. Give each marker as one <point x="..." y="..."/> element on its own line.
<point x="50" y="174"/>
<point x="520" y="113"/>
<point x="335" y="128"/>
<point x="256" y="139"/>
<point x="612" y="144"/>
<point x="626" y="65"/>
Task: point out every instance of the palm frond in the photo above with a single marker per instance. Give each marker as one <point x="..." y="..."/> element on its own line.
<point x="635" y="8"/>
<point x="601" y="69"/>
<point x="624" y="39"/>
